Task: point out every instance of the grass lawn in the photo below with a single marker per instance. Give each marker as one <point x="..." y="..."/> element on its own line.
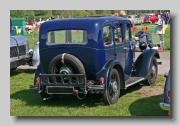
<point x="138" y="100"/>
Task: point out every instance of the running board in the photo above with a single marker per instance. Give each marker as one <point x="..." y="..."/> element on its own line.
<point x="132" y="81"/>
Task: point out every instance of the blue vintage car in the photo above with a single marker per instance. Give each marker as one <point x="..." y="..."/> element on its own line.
<point x="91" y="55"/>
<point x="165" y="104"/>
<point x="20" y="53"/>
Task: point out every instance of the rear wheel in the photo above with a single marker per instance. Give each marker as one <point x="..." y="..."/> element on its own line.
<point x="154" y="70"/>
<point x="64" y="64"/>
<point x="113" y="88"/>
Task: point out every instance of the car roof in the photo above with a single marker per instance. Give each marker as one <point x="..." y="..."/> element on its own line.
<point x="90" y="18"/>
<point x="80" y="22"/>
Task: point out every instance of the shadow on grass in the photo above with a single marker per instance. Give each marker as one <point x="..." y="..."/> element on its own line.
<point x="132" y="88"/>
<point x="18" y="71"/>
<point x="33" y="99"/>
<point x="91" y="100"/>
<point x="148" y="106"/>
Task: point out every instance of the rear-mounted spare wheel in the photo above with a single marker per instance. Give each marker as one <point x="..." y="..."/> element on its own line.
<point x="66" y="64"/>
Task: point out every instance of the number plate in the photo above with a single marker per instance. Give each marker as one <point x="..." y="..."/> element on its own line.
<point x="59" y="90"/>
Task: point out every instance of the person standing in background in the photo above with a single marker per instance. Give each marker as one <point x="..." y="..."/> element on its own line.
<point x="168" y="15"/>
<point x="160" y="30"/>
<point x="122" y="13"/>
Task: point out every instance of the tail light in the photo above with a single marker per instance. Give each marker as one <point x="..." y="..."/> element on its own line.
<point x="75" y="92"/>
<point x="37" y="80"/>
<point x="168" y="93"/>
<point x="101" y="80"/>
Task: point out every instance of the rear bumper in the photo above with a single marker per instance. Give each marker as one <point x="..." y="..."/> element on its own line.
<point x="17" y="63"/>
<point x="165" y="106"/>
<point x="49" y="87"/>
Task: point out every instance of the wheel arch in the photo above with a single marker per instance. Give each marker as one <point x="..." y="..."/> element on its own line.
<point x="106" y="71"/>
<point x="121" y="75"/>
<point x="143" y="62"/>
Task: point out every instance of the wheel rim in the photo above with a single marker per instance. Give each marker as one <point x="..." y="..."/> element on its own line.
<point x="67" y="68"/>
<point x="153" y="72"/>
<point x="113" y="87"/>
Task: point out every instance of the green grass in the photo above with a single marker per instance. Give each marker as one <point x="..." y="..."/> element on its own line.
<point x="24" y="102"/>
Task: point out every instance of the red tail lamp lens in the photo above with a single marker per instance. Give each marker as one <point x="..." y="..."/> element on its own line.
<point x="37" y="80"/>
<point x="75" y="92"/>
<point x="90" y="82"/>
<point x="101" y="80"/>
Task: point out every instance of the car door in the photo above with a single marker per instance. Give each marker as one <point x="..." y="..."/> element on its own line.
<point x="119" y="43"/>
<point x="108" y="41"/>
<point x="128" y="48"/>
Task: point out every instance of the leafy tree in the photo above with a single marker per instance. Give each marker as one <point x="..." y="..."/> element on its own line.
<point x="43" y="12"/>
<point x="79" y="13"/>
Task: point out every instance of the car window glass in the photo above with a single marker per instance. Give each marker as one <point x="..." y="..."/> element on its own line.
<point x="67" y="36"/>
<point x="118" y="33"/>
<point x="107" y="35"/>
<point x="127" y="32"/>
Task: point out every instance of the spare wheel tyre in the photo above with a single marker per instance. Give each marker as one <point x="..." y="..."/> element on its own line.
<point x="66" y="64"/>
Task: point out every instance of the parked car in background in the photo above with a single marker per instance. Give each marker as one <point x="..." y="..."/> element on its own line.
<point x="141" y="18"/>
<point x="20" y="53"/>
<point x="36" y="57"/>
<point x="165" y="105"/>
<point x="150" y="18"/>
<point x="90" y="55"/>
<point x="31" y="22"/>
<point x="135" y="19"/>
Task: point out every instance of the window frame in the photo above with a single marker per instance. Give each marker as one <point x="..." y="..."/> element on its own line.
<point x="111" y="37"/>
<point x="121" y="24"/>
<point x="66" y="35"/>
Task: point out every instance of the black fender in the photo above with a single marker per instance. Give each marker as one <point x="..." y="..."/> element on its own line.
<point x="105" y="71"/>
<point x="38" y="71"/>
<point x="143" y="63"/>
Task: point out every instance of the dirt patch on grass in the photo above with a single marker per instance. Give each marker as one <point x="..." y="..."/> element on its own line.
<point x="154" y="90"/>
<point x="148" y="91"/>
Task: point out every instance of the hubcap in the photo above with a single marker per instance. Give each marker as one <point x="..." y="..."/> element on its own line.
<point x="114" y="86"/>
<point x="153" y="69"/>
<point x="113" y="89"/>
<point x="64" y="71"/>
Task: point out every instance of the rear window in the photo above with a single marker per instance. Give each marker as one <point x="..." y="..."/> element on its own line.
<point x="67" y="36"/>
